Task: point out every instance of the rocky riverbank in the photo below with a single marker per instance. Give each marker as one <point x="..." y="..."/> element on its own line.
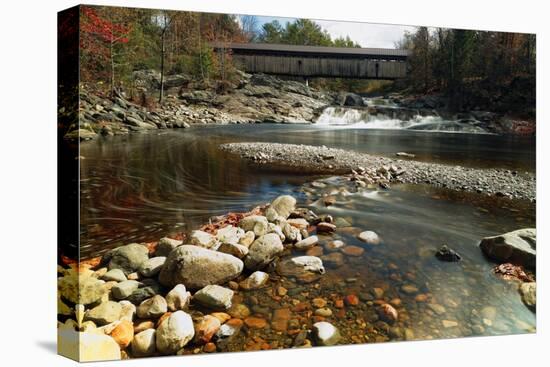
<point x="365" y="169"/>
<point x="251" y="281"/>
<point x="134" y="301"/>
<point x="252" y="99"/>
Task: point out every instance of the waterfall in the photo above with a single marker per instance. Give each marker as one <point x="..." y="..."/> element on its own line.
<point x="393" y="118"/>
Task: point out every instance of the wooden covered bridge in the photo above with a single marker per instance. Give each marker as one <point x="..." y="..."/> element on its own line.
<point x="317" y="61"/>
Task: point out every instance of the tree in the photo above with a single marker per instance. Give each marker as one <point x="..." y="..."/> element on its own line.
<point x="271" y="32"/>
<point x="301" y="32"/>
<point x="305" y="32"/>
<point x="472" y="66"/>
<point x="164" y="21"/>
<point x="344" y="42"/>
<point x="249" y="25"/>
<point x="100" y="36"/>
<point x="462" y="44"/>
<point x="421" y="59"/>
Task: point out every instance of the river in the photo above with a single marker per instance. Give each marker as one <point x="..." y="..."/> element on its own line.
<point x="142" y="187"/>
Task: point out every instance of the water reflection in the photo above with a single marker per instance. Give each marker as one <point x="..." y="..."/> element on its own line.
<point x="142" y="186"/>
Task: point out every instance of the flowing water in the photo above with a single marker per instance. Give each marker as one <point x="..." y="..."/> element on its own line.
<point x="355" y="118"/>
<point x="144" y="186"/>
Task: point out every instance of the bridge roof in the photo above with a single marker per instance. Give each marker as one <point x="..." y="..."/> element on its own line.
<point x="315" y="50"/>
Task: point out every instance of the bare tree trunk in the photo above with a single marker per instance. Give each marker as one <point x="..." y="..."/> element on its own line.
<point x="200" y="48"/>
<point x="162" y="52"/>
<point x="223" y="62"/>
<point x="112" y="68"/>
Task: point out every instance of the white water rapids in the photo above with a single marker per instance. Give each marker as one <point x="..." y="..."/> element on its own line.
<point x="360" y="118"/>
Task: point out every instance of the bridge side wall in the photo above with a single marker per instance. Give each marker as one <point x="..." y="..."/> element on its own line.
<point x="321" y="66"/>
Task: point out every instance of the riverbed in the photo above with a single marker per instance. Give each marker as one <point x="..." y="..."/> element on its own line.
<point x="141" y="187"/>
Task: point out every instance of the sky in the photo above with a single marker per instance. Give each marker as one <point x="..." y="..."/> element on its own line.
<point x="366" y="34"/>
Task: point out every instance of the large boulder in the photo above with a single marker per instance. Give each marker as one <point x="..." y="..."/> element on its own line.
<point x="127" y="258"/>
<point x="104" y="313"/>
<point x="305" y="269"/>
<point x="128" y="310"/>
<point x="528" y="293"/>
<point x="150" y="79"/>
<point x="166" y="245"/>
<point x="255" y="223"/>
<point x="215" y="297"/>
<point x="263" y="251"/>
<point x="153" y="307"/>
<point x="298" y="265"/>
<point x="205" y="328"/>
<point x="518" y="247"/>
<point x="307" y="243"/>
<point x="116" y="275"/>
<point x="178" y="298"/>
<point x="230" y="235"/>
<point x="124" y="289"/>
<point x="236" y="250"/>
<point x="144" y="343"/>
<point x="151" y="267"/>
<point x="292" y="234"/>
<point x="197" y="267"/>
<point x="86" y="346"/>
<point x="203" y="239"/>
<point x="123" y="333"/>
<point x="256" y="280"/>
<point x="284" y="205"/>
<point x="352" y="99"/>
<point x="176" y="80"/>
<point x="141" y="294"/>
<point x="81" y="289"/>
<point x="174" y="332"/>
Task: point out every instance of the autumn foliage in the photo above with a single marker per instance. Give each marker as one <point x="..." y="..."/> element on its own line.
<point x="103" y="29"/>
<point x="230" y="219"/>
<point x="115" y="42"/>
<point x="99" y="38"/>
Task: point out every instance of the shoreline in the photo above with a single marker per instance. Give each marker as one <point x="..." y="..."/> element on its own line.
<point x="255" y="98"/>
<point x="274" y="277"/>
<point x="370" y="169"/>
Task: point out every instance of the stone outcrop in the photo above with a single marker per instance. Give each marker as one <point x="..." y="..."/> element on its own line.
<point x="253" y="98"/>
<point x="263" y="251"/>
<point x="518" y="247"/>
<point x="196" y="267"/>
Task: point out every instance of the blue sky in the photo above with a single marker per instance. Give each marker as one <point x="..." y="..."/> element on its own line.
<point x="366" y="34"/>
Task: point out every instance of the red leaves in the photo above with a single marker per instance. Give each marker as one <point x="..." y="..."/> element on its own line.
<point x="88" y="263"/>
<point x="229" y="219"/>
<point x="97" y="38"/>
<point x="151" y="247"/>
<point x="179" y="237"/>
<point x="104" y="29"/>
<point x="512" y="272"/>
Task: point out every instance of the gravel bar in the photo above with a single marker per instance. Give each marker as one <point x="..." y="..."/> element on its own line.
<point x="307" y="159"/>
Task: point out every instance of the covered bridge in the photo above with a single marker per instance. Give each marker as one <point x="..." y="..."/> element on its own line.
<point x="318" y="61"/>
